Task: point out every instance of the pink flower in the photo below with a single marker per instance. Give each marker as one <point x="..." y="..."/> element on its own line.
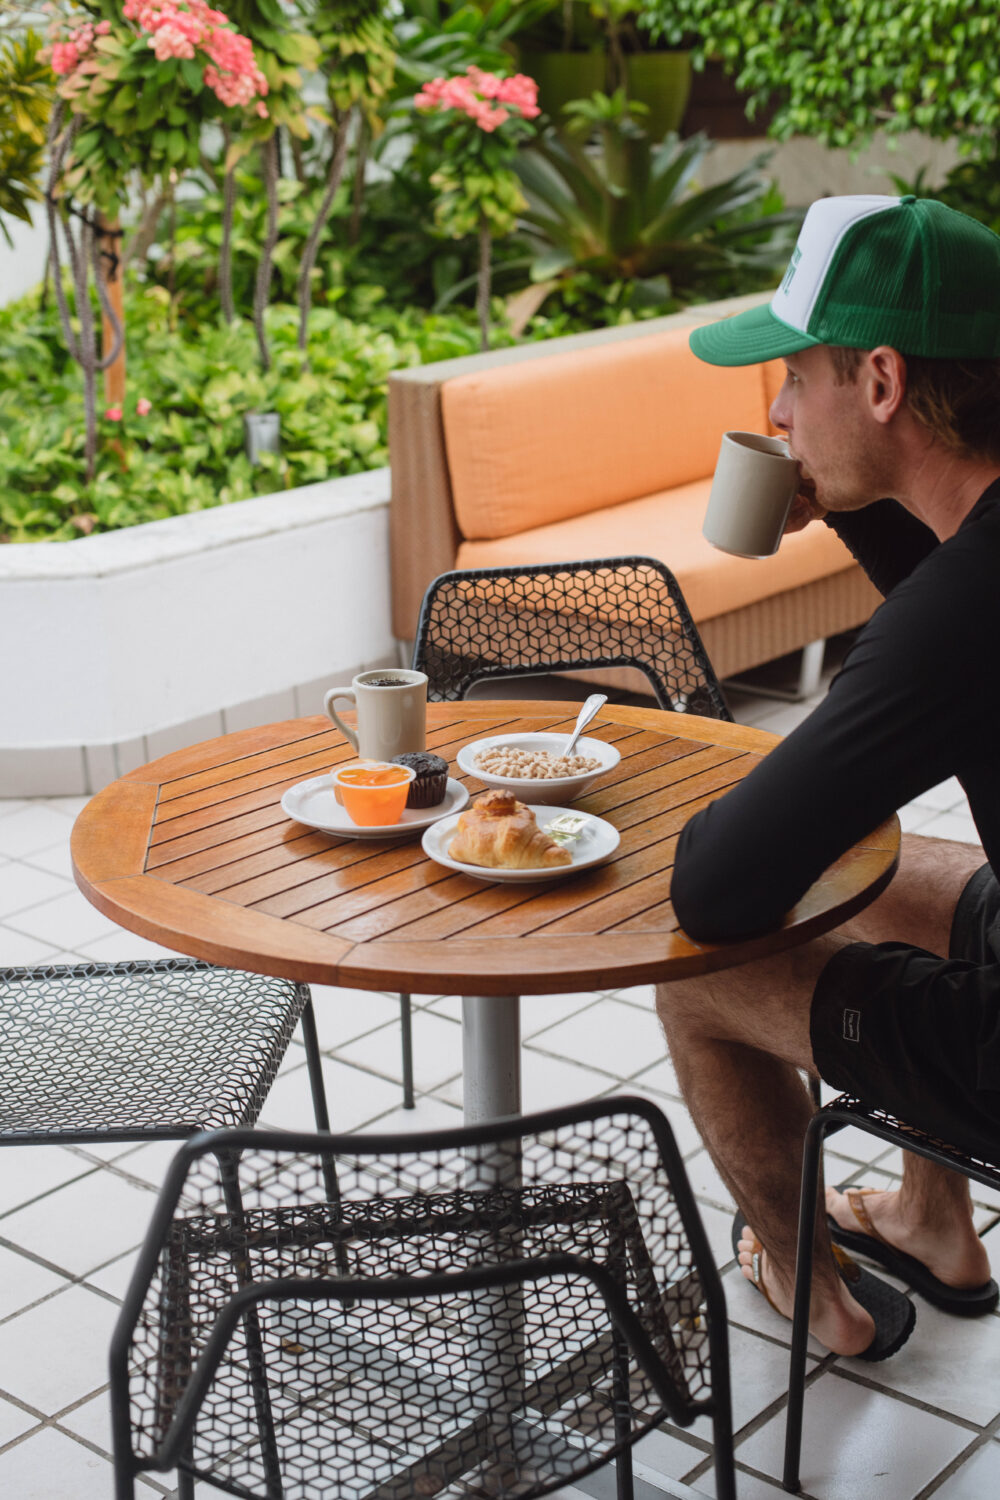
<point x="64" y="57"/>
<point x="181" y="28"/>
<point x="486" y="98"/>
<point x="113" y="413"/>
<point x="522" y="92"/>
<point x="171" y="42"/>
<point x="143" y="407"/>
<point x="103" y="28"/>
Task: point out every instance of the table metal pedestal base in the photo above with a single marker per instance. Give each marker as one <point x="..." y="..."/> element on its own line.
<point x="491" y="1056"/>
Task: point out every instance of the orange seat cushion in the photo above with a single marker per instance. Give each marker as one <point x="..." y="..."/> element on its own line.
<point x="668" y="527"/>
<point x="552" y="438"/>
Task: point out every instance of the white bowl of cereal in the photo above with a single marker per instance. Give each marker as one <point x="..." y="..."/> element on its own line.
<point x="533" y="766"/>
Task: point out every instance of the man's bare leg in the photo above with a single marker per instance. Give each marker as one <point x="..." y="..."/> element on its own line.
<point x="737" y="1039"/>
<point x="930" y="1217"/>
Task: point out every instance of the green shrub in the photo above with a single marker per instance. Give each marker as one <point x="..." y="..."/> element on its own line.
<point x="187" y="453"/>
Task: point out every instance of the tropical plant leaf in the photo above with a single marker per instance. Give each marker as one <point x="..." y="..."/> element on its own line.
<point x="627" y="208"/>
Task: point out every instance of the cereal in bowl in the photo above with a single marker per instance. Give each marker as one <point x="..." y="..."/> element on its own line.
<point x="533" y="765"/>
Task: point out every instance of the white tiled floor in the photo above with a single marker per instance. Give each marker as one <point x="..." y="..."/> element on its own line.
<point x="924" y="1423"/>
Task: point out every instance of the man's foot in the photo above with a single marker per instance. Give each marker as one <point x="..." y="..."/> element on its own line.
<point x="946" y="1262"/>
<point x="837" y="1318"/>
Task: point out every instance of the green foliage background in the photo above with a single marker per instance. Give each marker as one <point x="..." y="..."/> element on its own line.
<point x="841" y="69"/>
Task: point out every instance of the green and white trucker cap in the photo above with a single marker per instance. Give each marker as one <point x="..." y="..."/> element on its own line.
<point x="871" y="270"/>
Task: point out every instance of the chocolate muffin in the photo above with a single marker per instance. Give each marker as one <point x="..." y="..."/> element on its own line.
<point x="429" y="785"/>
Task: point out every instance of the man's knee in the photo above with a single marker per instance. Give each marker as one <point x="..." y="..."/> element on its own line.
<point x="700" y="1006"/>
<point x="919" y="905"/>
<point x="764" y="1004"/>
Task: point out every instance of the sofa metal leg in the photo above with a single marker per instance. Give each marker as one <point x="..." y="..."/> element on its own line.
<point x="810" y="675"/>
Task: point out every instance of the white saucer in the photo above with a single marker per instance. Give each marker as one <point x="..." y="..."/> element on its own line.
<point x="313" y="803"/>
<point x="597" y="843"/>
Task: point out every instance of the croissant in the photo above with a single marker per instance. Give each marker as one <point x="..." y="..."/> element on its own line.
<point x="499" y="832"/>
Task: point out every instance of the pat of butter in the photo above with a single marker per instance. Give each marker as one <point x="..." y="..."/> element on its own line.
<point x="567" y="827"/>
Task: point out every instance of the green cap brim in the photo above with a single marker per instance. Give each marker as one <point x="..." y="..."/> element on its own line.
<point x="748" y="338"/>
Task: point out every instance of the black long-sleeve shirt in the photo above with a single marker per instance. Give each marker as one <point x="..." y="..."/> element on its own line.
<point x="915" y="702"/>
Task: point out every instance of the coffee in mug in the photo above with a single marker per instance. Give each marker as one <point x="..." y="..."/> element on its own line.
<point x="756" y="480"/>
<point x="392" y="712"/>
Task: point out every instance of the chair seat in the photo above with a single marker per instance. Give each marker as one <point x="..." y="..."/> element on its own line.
<point x="712" y="582"/>
<point x="118" y="1051"/>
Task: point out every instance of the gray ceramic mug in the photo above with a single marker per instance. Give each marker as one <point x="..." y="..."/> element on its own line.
<point x="756" y="480"/>
<point x="392" y="712"/>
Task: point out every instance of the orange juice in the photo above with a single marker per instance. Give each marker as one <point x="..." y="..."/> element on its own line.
<point x="336" y="788"/>
<point x="373" y="793"/>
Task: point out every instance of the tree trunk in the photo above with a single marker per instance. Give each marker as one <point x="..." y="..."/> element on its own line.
<point x="483" y="283"/>
<point x="309" y="254"/>
<point x="269" y="152"/>
<point x="112" y="342"/>
<point x="172" y="256"/>
<point x="88" y="349"/>
<point x="57" y="148"/>
<point x="358" y="196"/>
<point x="226" y="248"/>
<point x="145" y="232"/>
<point x="298" y="160"/>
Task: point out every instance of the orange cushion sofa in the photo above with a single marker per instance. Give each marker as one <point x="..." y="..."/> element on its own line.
<point x="602" y="445"/>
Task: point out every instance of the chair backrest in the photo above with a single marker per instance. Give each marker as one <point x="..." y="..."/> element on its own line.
<point x="614" y="612"/>
<point x="507" y="1306"/>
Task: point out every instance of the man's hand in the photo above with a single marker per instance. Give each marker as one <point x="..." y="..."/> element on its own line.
<point x="805" y="508"/>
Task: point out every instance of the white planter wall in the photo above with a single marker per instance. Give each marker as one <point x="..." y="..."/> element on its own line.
<point x="121" y="647"/>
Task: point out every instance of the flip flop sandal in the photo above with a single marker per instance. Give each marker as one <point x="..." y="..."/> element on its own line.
<point x="891" y="1311"/>
<point x="964" y="1302"/>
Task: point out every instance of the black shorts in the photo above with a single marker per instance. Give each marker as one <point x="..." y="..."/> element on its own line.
<point x="919" y="1035"/>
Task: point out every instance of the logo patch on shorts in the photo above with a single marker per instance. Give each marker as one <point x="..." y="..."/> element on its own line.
<point x="852" y="1026"/>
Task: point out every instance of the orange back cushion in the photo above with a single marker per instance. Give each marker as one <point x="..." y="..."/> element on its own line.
<point x="559" y="436"/>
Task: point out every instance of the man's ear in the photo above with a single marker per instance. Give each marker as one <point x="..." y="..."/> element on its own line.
<point x="886" y="382"/>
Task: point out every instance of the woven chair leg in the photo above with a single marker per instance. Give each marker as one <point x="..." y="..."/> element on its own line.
<point x="185" y="1486"/>
<point x="125" y="1482"/>
<point x="256" y="1366"/>
<point x="405" y="1019"/>
<point x="315" y="1066"/>
<point x="623" y="1416"/>
<point x="811" y="1158"/>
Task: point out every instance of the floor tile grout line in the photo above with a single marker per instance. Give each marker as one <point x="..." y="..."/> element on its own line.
<point x="70" y="1278"/>
<point x="91" y="1167"/>
<point x="868" y="1383"/>
<point x="957" y="1463"/>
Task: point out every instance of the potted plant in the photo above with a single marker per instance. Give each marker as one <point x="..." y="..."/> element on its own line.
<point x="562" y="50"/>
<point x="582" y="47"/>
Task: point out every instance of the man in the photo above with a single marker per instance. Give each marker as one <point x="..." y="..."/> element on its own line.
<point x="888" y="321"/>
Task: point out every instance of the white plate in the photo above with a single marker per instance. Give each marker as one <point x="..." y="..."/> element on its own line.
<point x="597" y="843"/>
<point x="552" y="789"/>
<point x="313" y="803"/>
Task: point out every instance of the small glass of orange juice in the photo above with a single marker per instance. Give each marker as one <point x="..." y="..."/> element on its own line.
<point x="373" y="792"/>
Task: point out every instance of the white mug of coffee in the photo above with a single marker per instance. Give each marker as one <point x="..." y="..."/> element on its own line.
<point x="756" y="480"/>
<point x="392" y="712"/>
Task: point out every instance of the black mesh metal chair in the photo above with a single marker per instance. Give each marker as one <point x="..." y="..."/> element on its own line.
<point x="847" y="1110"/>
<point x="493" y="1311"/>
<point x="145" y="1050"/>
<point x="488" y="624"/>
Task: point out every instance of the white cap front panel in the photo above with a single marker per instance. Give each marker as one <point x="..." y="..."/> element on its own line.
<point x="823" y="228"/>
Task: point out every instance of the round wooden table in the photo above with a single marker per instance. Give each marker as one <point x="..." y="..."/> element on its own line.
<point x="195" y="852"/>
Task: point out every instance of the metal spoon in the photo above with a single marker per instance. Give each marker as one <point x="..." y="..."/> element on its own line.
<point x="593" y="705"/>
